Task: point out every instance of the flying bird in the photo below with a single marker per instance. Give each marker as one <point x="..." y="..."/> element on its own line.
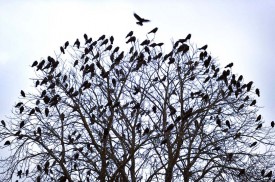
<point x="154" y="30"/>
<point x="140" y="20"/>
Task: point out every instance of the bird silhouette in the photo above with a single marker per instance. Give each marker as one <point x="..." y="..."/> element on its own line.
<point x="269" y="174"/>
<point x="146" y="131"/>
<point x="140" y="20"/>
<point x="218" y="122"/>
<point x="21" y="109"/>
<point x="262" y="172"/>
<point x="23" y="93"/>
<point x="7" y="142"/>
<point x="154" y="30"/>
<point x="34" y="63"/>
<point x="3" y="123"/>
<point x="253" y="144"/>
<point x="172" y="110"/>
<point x="237" y="135"/>
<point x="272" y="124"/>
<point x="227" y="123"/>
<point x="241" y="106"/>
<point x="229" y="65"/>
<point x="188" y="37"/>
<point x="259" y="117"/>
<point x="131" y="39"/>
<point x="170" y="127"/>
<point x="259" y="126"/>
<point x="62" y="50"/>
<point x="253" y="103"/>
<point x="112" y="39"/>
<point x="66" y="44"/>
<point x="85" y="37"/>
<point x="154" y="108"/>
<point x="77" y="43"/>
<point x="164" y="141"/>
<point x="22" y="124"/>
<point x="129" y="34"/>
<point x="203" y="47"/>
<point x="258" y="92"/>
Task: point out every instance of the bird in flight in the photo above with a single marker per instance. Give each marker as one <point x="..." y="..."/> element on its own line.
<point x="140" y="20"/>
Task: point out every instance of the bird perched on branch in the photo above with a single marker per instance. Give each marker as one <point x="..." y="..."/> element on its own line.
<point x="140" y="20"/>
<point x="154" y="30"/>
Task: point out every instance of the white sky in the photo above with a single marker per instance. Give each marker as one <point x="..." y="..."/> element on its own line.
<point x="239" y="31"/>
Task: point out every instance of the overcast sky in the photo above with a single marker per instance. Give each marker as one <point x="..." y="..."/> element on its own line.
<point x="239" y="31"/>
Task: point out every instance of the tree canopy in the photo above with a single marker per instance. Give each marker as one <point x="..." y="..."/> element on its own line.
<point x="100" y="113"/>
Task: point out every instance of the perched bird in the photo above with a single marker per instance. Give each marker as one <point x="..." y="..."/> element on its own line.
<point x="129" y="34"/>
<point x="131" y="39"/>
<point x="227" y="123"/>
<point x="102" y="37"/>
<point x="219" y="123"/>
<point x="154" y="30"/>
<point x="253" y="144"/>
<point x="7" y="142"/>
<point x="203" y="47"/>
<point x="172" y="110"/>
<point x="269" y="175"/>
<point x="262" y="172"/>
<point x="259" y="118"/>
<point x="77" y="43"/>
<point x="229" y="65"/>
<point x="21" y="109"/>
<point x="146" y="131"/>
<point x="112" y="39"/>
<point x="241" y="106"/>
<point x="258" y="92"/>
<point x="62" y="50"/>
<point x="242" y="172"/>
<point x="140" y="20"/>
<point x="272" y="124"/>
<point x="66" y="44"/>
<point x="23" y="93"/>
<point x="85" y="37"/>
<point x="259" y="126"/>
<point x="34" y="63"/>
<point x="237" y="135"/>
<point x="217" y="148"/>
<point x="18" y="104"/>
<point x="188" y="37"/>
<point x="170" y="127"/>
<point x="164" y="141"/>
<point x="3" y="123"/>
<point x="154" y="108"/>
<point x="22" y="124"/>
<point x="253" y="103"/>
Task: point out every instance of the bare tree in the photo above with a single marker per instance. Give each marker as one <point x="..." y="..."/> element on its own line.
<point x="103" y="114"/>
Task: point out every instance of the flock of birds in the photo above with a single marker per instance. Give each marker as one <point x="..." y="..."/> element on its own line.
<point x="52" y="64"/>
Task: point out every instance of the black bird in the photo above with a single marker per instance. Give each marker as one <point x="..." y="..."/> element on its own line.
<point x="129" y="34"/>
<point x="7" y="142"/>
<point x="259" y="117"/>
<point x="172" y="110"/>
<point x="217" y="148"/>
<point x="259" y="126"/>
<point x="262" y="172"/>
<point x="32" y="112"/>
<point x="258" y="92"/>
<point x="27" y="172"/>
<point x="23" y="93"/>
<point x="269" y="175"/>
<point x="85" y="37"/>
<point x="241" y="106"/>
<point x="21" y="109"/>
<point x="229" y="65"/>
<point x="237" y="135"/>
<point x="77" y="43"/>
<point x="188" y="37"/>
<point x="154" y="108"/>
<point x="3" y="123"/>
<point x="253" y="103"/>
<point x="219" y="123"/>
<point x="227" y="123"/>
<point x="146" y="131"/>
<point x="242" y="172"/>
<point x="34" y="63"/>
<point x="140" y="20"/>
<point x="164" y="141"/>
<point x="40" y="65"/>
<point x="154" y="30"/>
<point x="22" y="124"/>
<point x="47" y="112"/>
<point x="272" y="124"/>
<point x="203" y="47"/>
<point x="131" y="39"/>
<point x="112" y="39"/>
<point x="249" y="85"/>
<point x="39" y="168"/>
<point x="66" y="44"/>
<point x="170" y="127"/>
<point x="18" y="104"/>
<point x="114" y="82"/>
<point x="253" y="144"/>
<point x="62" y="50"/>
<point x="75" y="63"/>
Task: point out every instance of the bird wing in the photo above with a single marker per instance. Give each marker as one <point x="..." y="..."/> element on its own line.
<point x="138" y="17"/>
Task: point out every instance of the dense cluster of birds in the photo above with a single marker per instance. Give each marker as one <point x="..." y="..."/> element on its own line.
<point x="53" y="79"/>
